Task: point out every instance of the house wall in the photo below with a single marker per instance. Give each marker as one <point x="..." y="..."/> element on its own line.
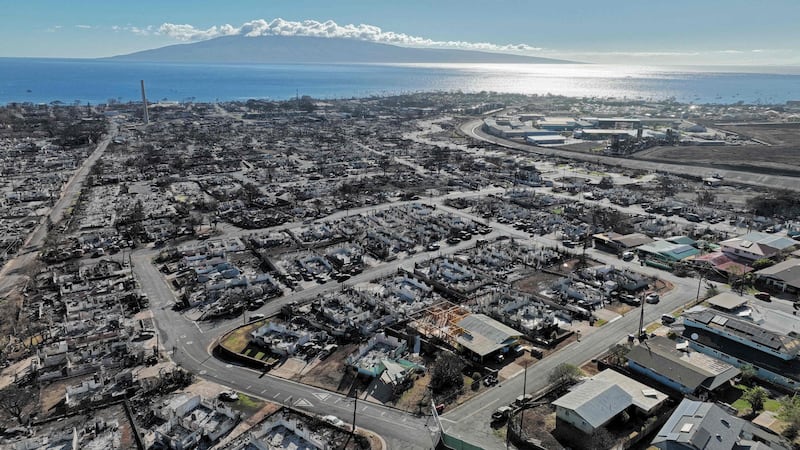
<point x="736" y="251"/>
<point x="691" y="323"/>
<point x="572" y="418"/>
<point x="761" y="373"/>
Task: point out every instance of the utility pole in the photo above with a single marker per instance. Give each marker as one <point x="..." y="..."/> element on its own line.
<point x="639" y="332"/>
<point x="699" y="283"/>
<point x="355" y="409"/>
<point x="524" y="389"/>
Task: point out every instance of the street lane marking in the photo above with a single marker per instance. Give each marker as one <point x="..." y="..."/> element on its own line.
<point x="198" y="327"/>
<point x="274" y="396"/>
<point x="303" y="403"/>
<point x="322" y="395"/>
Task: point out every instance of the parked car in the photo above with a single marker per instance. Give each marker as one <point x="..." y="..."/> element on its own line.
<point x="627" y="256"/>
<point x="502" y="413"/>
<point x="254" y="317"/>
<point x="523" y="400"/>
<point x="764" y="296"/>
<point x="630" y="300"/>
<point x="229" y="396"/>
<point x="667" y="319"/>
<point x="652" y="298"/>
<point x="333" y="420"/>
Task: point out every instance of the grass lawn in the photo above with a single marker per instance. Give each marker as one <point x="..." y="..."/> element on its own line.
<point x="653" y="327"/>
<point x="247" y="404"/>
<point x="600" y="322"/>
<point x="409" y="400"/>
<point x="238" y="339"/>
<point x="743" y="406"/>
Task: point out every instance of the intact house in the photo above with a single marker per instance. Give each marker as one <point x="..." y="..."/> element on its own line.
<point x="756" y="245"/>
<point x="720" y="264"/>
<point x="782" y="277"/>
<point x="707" y="426"/>
<point x="767" y="341"/>
<point x="598" y="400"/>
<point x="679" y="368"/>
<point x="665" y="252"/>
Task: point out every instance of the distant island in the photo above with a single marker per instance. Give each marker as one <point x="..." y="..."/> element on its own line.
<point x="316" y="50"/>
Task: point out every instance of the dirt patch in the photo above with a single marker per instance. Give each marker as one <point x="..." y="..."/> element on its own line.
<point x="754" y="158"/>
<point x="590" y="369"/>
<point x="290" y="369"/>
<point x="619" y="308"/>
<point x="532" y="283"/>
<point x="52" y="396"/>
<point x="332" y="373"/>
<point x="783" y="134"/>
<point x="538" y="424"/>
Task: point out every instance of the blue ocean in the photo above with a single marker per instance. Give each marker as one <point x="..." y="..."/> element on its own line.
<point x="98" y="81"/>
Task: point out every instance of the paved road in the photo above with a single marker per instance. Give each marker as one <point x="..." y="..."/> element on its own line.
<point x="9" y="275"/>
<point x="472" y="128"/>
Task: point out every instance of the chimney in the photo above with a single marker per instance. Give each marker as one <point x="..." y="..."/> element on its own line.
<point x="144" y="103"/>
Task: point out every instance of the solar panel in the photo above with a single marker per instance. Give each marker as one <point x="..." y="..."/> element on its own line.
<point x="719" y="320"/>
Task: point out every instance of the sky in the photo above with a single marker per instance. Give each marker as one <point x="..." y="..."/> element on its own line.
<point x="674" y="32"/>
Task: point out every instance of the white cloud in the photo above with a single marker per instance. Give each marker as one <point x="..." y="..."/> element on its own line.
<point x="327" y="29"/>
<point x="83" y="27"/>
<point x="54" y="28"/>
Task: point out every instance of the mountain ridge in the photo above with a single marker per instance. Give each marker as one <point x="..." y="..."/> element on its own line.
<point x="311" y="50"/>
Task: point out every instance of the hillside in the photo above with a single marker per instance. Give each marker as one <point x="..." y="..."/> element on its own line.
<point x="314" y="50"/>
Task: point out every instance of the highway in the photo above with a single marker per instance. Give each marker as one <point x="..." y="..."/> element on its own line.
<point x="473" y="129"/>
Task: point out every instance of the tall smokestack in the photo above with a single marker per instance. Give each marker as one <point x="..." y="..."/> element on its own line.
<point x="144" y="102"/>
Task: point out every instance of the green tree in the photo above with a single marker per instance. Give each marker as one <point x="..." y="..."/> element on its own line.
<point x="617" y="353"/>
<point x="762" y="263"/>
<point x="565" y="374"/>
<point x="756" y="396"/>
<point x="446" y="372"/>
<point x="711" y="290"/>
<point x="748" y="372"/>
<point x="789" y="411"/>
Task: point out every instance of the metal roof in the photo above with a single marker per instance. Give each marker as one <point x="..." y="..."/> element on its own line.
<point x="727" y="301"/>
<point x="596" y="402"/>
<point x="484" y="335"/>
